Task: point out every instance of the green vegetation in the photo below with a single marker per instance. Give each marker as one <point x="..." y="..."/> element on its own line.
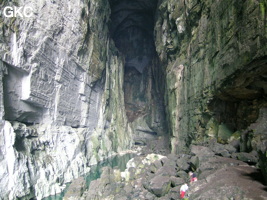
<point x="263" y="6"/>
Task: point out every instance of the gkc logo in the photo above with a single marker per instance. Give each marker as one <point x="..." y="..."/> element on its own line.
<point x="24" y="11"/>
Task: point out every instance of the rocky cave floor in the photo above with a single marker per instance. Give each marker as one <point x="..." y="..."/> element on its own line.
<point x="223" y="173"/>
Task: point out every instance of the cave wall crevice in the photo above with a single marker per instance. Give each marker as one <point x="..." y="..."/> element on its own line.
<point x="131" y="28"/>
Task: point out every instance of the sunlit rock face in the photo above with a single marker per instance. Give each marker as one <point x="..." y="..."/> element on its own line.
<point x="61" y="96"/>
<point x="131" y="28"/>
<point x="48" y="78"/>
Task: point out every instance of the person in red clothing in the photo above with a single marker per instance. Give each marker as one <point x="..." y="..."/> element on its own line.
<point x="193" y="177"/>
<point x="183" y="189"/>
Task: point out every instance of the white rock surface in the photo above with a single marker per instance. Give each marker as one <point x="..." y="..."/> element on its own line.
<point x="61" y="96"/>
<point x="47" y="81"/>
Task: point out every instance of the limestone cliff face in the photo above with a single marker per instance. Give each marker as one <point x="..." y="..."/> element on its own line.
<point x="69" y="98"/>
<point x="131" y="27"/>
<point x="62" y="100"/>
<point x="214" y="53"/>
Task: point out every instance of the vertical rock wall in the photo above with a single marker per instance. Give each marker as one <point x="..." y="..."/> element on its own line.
<point x="131" y="28"/>
<point x="61" y="101"/>
<point x="214" y="54"/>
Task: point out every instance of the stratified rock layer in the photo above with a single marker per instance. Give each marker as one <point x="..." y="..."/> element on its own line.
<point x="62" y="89"/>
<point x="131" y="27"/>
<point x="62" y="100"/>
<point x="214" y="54"/>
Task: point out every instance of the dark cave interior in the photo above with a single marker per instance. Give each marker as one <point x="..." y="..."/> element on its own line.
<point x="241" y="97"/>
<point x="132" y="29"/>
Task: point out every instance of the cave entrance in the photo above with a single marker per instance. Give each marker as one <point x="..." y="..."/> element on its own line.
<point x="132" y="28"/>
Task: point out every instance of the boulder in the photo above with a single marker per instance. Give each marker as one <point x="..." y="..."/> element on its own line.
<point x="224" y="133"/>
<point x="75" y="189"/>
<point x="201" y="151"/>
<point x="167" y="161"/>
<point x="246" y="157"/>
<point x="182" y="163"/>
<point x="235" y="137"/>
<point x="212" y="128"/>
<point x="150" y="196"/>
<point x="182" y="174"/>
<point x="159" y="185"/>
<point x="128" y="188"/>
<point x="230" y="148"/>
<point x="220" y="149"/>
<point x="176" y="181"/>
<point x="194" y="162"/>
<point x="167" y="170"/>
<point x="229" y="182"/>
<point x="158" y="164"/>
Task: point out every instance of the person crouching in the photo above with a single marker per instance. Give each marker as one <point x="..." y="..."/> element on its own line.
<point x="193" y="177"/>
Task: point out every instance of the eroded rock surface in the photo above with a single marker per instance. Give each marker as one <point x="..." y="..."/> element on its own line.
<point x="69" y="98"/>
<point x="62" y="100"/>
<point x="76" y="189"/>
<point x="132" y="27"/>
<point x="160" y="177"/>
<point x="214" y="54"/>
<point x="215" y="58"/>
